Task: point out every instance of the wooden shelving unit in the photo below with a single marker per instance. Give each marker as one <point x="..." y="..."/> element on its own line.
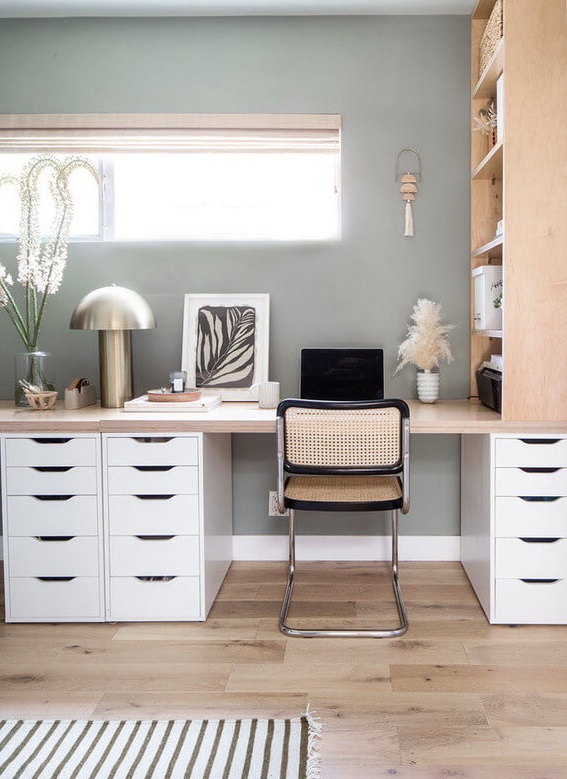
<point x="487" y="163"/>
<point x="514" y="181"/>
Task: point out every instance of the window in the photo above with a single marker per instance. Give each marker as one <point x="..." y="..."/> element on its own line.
<point x="86" y="222"/>
<point x="188" y="177"/>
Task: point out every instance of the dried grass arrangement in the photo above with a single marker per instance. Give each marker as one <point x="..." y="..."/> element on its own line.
<point x="427" y="342"/>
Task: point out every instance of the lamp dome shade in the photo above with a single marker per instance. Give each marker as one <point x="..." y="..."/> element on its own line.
<point x="112" y="308"/>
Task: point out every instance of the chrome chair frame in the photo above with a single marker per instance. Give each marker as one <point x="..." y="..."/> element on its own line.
<point x="401" y="469"/>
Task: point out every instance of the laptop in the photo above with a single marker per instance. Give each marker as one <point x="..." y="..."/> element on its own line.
<point x="338" y="373"/>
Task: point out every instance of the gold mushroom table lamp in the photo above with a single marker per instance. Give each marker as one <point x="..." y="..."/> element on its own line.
<point x="114" y="311"/>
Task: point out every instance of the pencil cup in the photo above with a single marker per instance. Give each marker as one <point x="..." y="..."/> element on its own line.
<point x="269" y="394"/>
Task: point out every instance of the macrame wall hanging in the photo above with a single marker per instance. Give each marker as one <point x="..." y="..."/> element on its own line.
<point x="409" y="180"/>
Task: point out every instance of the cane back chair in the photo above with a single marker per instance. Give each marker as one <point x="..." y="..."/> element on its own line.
<point x="343" y="456"/>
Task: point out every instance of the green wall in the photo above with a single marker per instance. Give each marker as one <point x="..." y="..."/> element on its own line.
<point x="397" y="81"/>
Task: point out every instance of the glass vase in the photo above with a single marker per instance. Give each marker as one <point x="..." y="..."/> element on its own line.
<point x="34" y="368"/>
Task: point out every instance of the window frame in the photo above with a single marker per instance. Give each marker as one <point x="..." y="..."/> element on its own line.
<point x="104" y="134"/>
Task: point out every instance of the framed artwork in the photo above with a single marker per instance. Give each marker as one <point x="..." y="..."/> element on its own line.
<point x="226" y="343"/>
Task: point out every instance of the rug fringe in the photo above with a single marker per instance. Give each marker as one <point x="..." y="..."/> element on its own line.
<point x="313" y="744"/>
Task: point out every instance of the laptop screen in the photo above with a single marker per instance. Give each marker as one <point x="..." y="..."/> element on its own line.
<point x="342" y="374"/>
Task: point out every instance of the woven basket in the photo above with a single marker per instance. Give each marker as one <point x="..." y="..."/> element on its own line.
<point x="491" y="36"/>
<point x="42" y="401"/>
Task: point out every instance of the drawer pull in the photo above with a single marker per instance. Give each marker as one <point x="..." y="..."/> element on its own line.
<point x="539" y="540"/>
<point x="539" y="498"/>
<point x="154" y="497"/>
<point x="52" y="468"/>
<point x="54" y="538"/>
<point x="55" y="578"/>
<point x="540" y="470"/>
<point x="539" y="441"/>
<point x="539" y="581"/>
<point x="51" y="440"/>
<point x="155" y="538"/>
<point x="155" y="578"/>
<point x="153" y="439"/>
<point x="53" y="497"/>
<point x="153" y="467"/>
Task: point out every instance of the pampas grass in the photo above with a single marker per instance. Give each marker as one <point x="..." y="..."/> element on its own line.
<point x="427" y="342"/>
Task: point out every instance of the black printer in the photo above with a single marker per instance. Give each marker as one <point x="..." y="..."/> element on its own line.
<point x="489" y="383"/>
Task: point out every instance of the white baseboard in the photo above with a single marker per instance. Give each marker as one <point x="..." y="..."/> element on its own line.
<point x="346" y="547"/>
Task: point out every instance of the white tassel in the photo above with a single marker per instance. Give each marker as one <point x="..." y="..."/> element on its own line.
<point x="409" y="220"/>
<point x="313" y="744"/>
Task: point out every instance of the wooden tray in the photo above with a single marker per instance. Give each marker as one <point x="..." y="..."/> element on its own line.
<point x="157" y="396"/>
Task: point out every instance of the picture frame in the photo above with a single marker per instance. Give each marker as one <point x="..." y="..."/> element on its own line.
<point x="226" y="343"/>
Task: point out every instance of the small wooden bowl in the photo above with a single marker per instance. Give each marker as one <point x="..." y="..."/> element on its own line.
<point x="41" y="401"/>
<point x="157" y="396"/>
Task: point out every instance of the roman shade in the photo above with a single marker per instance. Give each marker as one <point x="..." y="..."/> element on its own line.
<point x="143" y="133"/>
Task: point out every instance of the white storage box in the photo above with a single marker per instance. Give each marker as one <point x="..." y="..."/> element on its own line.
<point x="487" y="292"/>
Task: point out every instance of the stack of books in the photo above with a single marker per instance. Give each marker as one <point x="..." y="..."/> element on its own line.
<point x="206" y="402"/>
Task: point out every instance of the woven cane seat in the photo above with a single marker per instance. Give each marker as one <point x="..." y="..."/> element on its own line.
<point x="343" y="493"/>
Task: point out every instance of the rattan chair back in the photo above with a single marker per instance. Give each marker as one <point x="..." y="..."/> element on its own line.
<point x="336" y="437"/>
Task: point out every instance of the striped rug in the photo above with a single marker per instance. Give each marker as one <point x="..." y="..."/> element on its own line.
<point x="175" y="749"/>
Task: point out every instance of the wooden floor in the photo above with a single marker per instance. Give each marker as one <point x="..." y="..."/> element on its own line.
<point x="455" y="697"/>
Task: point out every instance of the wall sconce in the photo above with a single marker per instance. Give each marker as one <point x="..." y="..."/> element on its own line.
<point x="114" y="312"/>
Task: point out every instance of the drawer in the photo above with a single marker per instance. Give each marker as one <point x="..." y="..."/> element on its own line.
<point x="541" y="517"/>
<point x="531" y="452"/>
<point x="165" y="481"/>
<point x="55" y="515"/>
<point x="53" y="557"/>
<point x="51" y="451"/>
<point x="46" y="480"/>
<point x="153" y="556"/>
<point x="135" y="599"/>
<point x="78" y="598"/>
<point x="153" y="514"/>
<point x="531" y="602"/>
<point x="525" y="483"/>
<point x="533" y="559"/>
<point x="152" y="450"/>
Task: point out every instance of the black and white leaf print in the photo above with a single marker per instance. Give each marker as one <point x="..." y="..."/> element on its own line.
<point x="225" y="346"/>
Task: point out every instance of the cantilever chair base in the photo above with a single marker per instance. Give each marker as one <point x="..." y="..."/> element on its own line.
<point x="298" y="632"/>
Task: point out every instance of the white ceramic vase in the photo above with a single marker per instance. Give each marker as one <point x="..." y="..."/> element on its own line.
<point x="428" y="386"/>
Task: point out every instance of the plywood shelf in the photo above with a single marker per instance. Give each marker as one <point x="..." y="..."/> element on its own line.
<point x="491" y="165"/>
<point x="486" y="85"/>
<point x="487" y="333"/>
<point x="492" y="248"/>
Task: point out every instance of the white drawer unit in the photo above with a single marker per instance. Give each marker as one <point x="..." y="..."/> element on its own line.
<point x="514" y="525"/>
<point x="53" y="540"/>
<point x="115" y="526"/>
<point x="168" y="536"/>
